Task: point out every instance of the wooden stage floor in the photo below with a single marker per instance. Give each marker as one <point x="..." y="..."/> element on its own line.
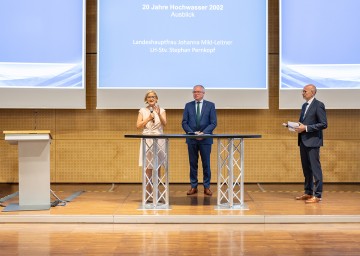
<point x="120" y="203"/>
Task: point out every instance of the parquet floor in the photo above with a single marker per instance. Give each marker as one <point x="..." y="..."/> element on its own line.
<point x="180" y="239"/>
<point x="120" y="203"/>
<point x="106" y="220"/>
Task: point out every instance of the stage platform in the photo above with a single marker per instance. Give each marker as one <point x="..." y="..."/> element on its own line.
<point x="120" y="203"/>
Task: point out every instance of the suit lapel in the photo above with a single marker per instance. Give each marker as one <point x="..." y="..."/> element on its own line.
<point x="193" y="106"/>
<point x="203" y="107"/>
<point x="310" y="108"/>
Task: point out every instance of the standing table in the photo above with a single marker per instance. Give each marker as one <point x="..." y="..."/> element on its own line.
<point x="230" y="169"/>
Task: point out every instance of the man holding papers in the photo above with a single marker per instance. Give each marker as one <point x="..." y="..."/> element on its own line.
<point x="310" y="138"/>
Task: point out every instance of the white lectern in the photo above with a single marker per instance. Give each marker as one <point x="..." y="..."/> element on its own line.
<point x="34" y="169"/>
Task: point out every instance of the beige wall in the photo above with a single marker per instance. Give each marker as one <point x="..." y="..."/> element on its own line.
<point x="89" y="145"/>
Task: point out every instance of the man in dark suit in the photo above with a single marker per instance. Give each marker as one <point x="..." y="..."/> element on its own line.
<point x="199" y="117"/>
<point x="310" y="138"/>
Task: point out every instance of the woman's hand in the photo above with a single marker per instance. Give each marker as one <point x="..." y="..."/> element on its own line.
<point x="157" y="109"/>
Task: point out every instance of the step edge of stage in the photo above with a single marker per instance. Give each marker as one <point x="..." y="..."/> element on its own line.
<point x="181" y="219"/>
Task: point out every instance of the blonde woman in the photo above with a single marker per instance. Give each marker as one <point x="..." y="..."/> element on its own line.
<point x="152" y="119"/>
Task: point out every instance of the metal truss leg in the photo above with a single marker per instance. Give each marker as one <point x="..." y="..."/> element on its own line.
<point x="155" y="186"/>
<point x="231" y="174"/>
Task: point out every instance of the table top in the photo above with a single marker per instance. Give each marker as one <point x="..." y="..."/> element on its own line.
<point x="27" y="132"/>
<point x="192" y="136"/>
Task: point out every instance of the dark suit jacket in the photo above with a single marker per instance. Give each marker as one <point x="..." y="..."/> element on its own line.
<point x="315" y="120"/>
<point x="208" y="120"/>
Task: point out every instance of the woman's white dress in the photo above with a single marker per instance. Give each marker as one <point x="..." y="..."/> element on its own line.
<point x="154" y="128"/>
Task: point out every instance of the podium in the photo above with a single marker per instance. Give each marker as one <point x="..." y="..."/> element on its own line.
<point x="34" y="169"/>
<point x="230" y="169"/>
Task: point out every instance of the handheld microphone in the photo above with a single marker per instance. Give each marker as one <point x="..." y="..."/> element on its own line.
<point x="151" y="111"/>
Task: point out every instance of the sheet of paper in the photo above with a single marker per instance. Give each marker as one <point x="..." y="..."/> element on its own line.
<point x="292" y="126"/>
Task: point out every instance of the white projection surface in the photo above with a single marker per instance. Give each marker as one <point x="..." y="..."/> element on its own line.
<point x="172" y="45"/>
<point x="319" y="44"/>
<point x="42" y="54"/>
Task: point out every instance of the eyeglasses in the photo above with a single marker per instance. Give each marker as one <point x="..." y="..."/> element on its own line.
<point x="198" y="92"/>
<point x="151" y="97"/>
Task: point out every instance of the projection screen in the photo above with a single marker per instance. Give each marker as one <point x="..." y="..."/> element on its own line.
<point x="319" y="44"/>
<point x="42" y="54"/>
<point x="172" y="45"/>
